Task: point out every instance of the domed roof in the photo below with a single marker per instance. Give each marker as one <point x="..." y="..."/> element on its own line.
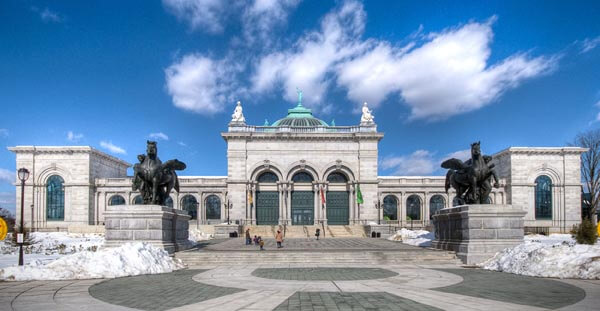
<point x="299" y="116"/>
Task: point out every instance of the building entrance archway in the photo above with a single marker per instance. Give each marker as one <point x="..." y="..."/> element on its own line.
<point x="303" y="208"/>
<point x="338" y="207"/>
<point x="267" y="207"/>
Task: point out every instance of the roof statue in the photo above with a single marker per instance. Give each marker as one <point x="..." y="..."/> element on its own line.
<point x="238" y="115"/>
<point x="471" y="179"/>
<point x="367" y="118"/>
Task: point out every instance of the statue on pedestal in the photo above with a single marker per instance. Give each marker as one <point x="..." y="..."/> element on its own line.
<point x="471" y="179"/>
<point x="155" y="179"/>
<point x="367" y="117"/>
<point x="238" y="115"/>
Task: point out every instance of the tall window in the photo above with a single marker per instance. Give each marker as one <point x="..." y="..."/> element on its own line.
<point x="169" y="202"/>
<point x="413" y="207"/>
<point x="116" y="200"/>
<point x="189" y="204"/>
<point x="390" y="208"/>
<point x="213" y="207"/>
<point x="337" y="177"/>
<point x="267" y="177"/>
<point x="436" y="203"/>
<point x="543" y="197"/>
<point x="302" y="177"/>
<point x="138" y="200"/>
<point x="55" y="198"/>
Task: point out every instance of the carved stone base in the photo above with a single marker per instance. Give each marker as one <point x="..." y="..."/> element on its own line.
<point x="477" y="232"/>
<point x="162" y="226"/>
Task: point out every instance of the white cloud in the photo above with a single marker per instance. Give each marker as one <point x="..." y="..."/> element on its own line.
<point x="206" y="15"/>
<point x="159" y="135"/>
<point x="201" y="84"/>
<point x="589" y="44"/>
<point x="74" y="137"/>
<point x="311" y="62"/>
<point x="420" y="162"/>
<point x="7" y="175"/>
<point x="461" y="155"/>
<point x="108" y="145"/>
<point x="8" y="201"/>
<point x="447" y="75"/>
<point x="47" y="15"/>
<point x="262" y="16"/>
<point x="4" y="133"/>
<point x="182" y="144"/>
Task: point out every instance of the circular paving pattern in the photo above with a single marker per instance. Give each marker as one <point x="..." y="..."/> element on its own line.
<point x="323" y="274"/>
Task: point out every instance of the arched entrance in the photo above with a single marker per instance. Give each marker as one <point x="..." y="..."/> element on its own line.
<point x="338" y="202"/>
<point x="303" y="201"/>
<point x="267" y="202"/>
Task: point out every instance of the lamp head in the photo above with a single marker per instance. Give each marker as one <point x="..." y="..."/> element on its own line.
<point x="23" y="174"/>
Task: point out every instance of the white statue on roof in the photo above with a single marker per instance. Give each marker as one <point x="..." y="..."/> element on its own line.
<point x="238" y="115"/>
<point x="367" y="117"/>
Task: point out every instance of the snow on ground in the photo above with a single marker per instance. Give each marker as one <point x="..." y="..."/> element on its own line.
<point x="554" y="256"/>
<point x="197" y="235"/>
<point x="421" y="238"/>
<point x="129" y="259"/>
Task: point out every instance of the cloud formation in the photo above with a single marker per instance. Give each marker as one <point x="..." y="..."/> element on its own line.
<point x="7" y="176"/>
<point x="47" y="15"/>
<point x="74" y="137"/>
<point x="159" y="135"/>
<point x="589" y="44"/>
<point x="421" y="162"/>
<point x="207" y="15"/>
<point x="8" y="201"/>
<point x="108" y="145"/>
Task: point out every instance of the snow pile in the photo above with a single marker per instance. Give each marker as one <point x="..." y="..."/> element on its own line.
<point x="129" y="259"/>
<point x="554" y="256"/>
<point x="421" y="238"/>
<point x="196" y="235"/>
<point x="55" y="243"/>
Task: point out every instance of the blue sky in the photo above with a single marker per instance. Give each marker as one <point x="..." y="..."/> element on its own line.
<point x="99" y="73"/>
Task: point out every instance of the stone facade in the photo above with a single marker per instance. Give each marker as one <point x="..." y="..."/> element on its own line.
<point x="92" y="179"/>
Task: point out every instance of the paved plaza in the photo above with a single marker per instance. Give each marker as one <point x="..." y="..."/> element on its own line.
<point x="261" y="285"/>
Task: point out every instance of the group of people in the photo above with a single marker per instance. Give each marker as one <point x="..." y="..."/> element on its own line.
<point x="257" y="240"/>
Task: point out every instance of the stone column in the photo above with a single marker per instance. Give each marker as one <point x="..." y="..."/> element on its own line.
<point x="253" y="203"/>
<point x="316" y="214"/>
<point x="324" y="210"/>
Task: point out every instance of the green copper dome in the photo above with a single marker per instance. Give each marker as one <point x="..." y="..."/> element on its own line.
<point x="299" y="116"/>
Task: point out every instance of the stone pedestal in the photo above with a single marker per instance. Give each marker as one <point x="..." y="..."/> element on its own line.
<point x="477" y="232"/>
<point x="162" y="226"/>
<point x="223" y="230"/>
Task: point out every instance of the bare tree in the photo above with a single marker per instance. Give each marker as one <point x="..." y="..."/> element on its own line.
<point x="590" y="168"/>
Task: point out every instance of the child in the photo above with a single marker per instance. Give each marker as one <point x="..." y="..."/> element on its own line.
<point x="318" y="233"/>
<point x="255" y="240"/>
<point x="261" y="243"/>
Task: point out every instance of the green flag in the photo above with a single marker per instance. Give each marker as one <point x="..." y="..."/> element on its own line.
<point x="359" y="198"/>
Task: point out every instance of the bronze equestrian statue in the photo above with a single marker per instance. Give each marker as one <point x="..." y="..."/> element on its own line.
<point x="155" y="179"/>
<point x="471" y="179"/>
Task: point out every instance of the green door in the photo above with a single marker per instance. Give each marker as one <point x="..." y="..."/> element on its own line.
<point x="337" y="207"/>
<point x="303" y="208"/>
<point x="267" y="208"/>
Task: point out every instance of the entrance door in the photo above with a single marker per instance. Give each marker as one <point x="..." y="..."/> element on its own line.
<point x="303" y="208"/>
<point x="337" y="207"/>
<point x="267" y="208"/>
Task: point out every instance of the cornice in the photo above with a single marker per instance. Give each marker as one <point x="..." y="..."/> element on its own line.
<point x="66" y="150"/>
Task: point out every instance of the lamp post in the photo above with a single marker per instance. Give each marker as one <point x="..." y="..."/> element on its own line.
<point x="23" y="176"/>
<point x="378" y="208"/>
<point x="228" y="206"/>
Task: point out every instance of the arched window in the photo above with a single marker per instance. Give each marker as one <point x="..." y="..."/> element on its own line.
<point x="213" y="207"/>
<point x="337" y="177"/>
<point x="190" y="204"/>
<point x="455" y="201"/>
<point x="489" y="200"/>
<point x="302" y="177"/>
<point x="116" y="200"/>
<point x="413" y="207"/>
<point x="390" y="208"/>
<point x="55" y="198"/>
<point x="543" y="197"/>
<point x="267" y="177"/>
<point x="138" y="200"/>
<point x="436" y="203"/>
<point x="169" y="202"/>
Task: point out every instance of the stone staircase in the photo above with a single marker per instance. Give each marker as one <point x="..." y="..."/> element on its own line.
<point x="232" y="258"/>
<point x="262" y="231"/>
<point x="339" y="232"/>
<point x="353" y="231"/>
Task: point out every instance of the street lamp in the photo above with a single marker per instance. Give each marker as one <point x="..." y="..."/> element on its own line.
<point x="23" y="175"/>
<point x="228" y="206"/>
<point x="378" y="207"/>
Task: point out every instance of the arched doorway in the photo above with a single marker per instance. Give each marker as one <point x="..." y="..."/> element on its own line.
<point x="55" y="198"/>
<point x="116" y="200"/>
<point x="303" y="201"/>
<point x="213" y="208"/>
<point x="267" y="202"/>
<point x="190" y="205"/>
<point x="338" y="202"/>
<point x="413" y="207"/>
<point x="436" y="203"/>
<point x="390" y="208"/>
<point x="543" y="197"/>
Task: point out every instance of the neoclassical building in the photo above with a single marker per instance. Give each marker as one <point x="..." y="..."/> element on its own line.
<point x="299" y="170"/>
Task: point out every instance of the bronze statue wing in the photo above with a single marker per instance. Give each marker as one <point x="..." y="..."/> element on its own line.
<point x="174" y="165"/>
<point x="454" y="164"/>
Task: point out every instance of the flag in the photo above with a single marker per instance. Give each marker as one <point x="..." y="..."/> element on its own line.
<point x="359" y="198"/>
<point x="322" y="198"/>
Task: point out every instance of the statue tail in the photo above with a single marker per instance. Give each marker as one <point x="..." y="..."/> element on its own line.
<point x="448" y="179"/>
<point x="176" y="182"/>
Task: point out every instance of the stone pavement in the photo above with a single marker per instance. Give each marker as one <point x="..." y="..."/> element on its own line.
<point x="293" y="287"/>
<point x="307" y="245"/>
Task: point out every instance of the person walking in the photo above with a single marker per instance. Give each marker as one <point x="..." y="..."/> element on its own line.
<point x="248" y="238"/>
<point x="318" y="233"/>
<point x="261" y="242"/>
<point x="279" y="238"/>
